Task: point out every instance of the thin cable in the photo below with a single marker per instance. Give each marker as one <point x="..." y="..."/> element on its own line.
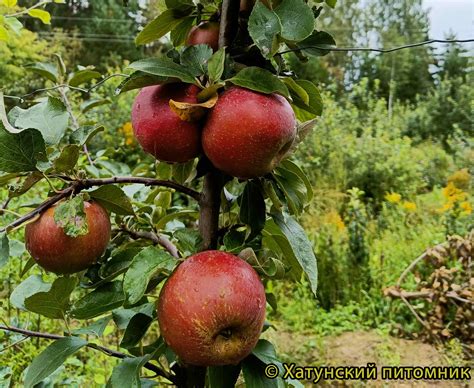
<point x="382" y="51"/>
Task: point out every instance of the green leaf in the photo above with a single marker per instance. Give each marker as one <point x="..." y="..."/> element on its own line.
<point x="4" y="35"/>
<point x="254" y="374"/>
<point x="127" y="373"/>
<point x="23" y="186"/>
<point x="163" y="67"/>
<point x="315" y="102"/>
<point x="67" y="159"/>
<point x="293" y="188"/>
<point x="138" y="326"/>
<point x="147" y="263"/>
<point x="84" y="134"/>
<point x="318" y="44"/>
<point x="297" y="170"/>
<point x="10" y="3"/>
<point x="14" y="25"/>
<point x="4" y="249"/>
<point x="297" y="19"/>
<point x="189" y="240"/>
<point x="49" y="117"/>
<point x="19" y="152"/>
<point x="88" y="105"/>
<point x="30" y="286"/>
<point x="264" y="27"/>
<point x="172" y="216"/>
<point x="297" y="90"/>
<point x="223" y="376"/>
<point x="195" y="59"/>
<point x="83" y="76"/>
<point x="182" y="172"/>
<point x="331" y="3"/>
<point x="46" y="70"/>
<point x="260" y="80"/>
<point x="51" y="359"/>
<point x="96" y="328"/>
<point x="157" y="28"/>
<point x="252" y="207"/>
<point x="40" y="14"/>
<point x="105" y="298"/>
<point x="139" y="80"/>
<point x="301" y="248"/>
<point x="216" y="65"/>
<point x="180" y="33"/>
<point x="114" y="199"/>
<point x="71" y="217"/>
<point x="55" y="302"/>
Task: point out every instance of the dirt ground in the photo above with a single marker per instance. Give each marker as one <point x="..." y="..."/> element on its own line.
<point x="358" y="349"/>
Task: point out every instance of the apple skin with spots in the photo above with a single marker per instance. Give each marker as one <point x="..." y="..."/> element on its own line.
<point x="211" y="310"/>
<point x="248" y="133"/>
<point x="159" y="130"/>
<point x="57" y="252"/>
<point x="205" y="33"/>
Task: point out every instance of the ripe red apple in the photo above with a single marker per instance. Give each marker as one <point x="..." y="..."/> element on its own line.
<point x="159" y="130"/>
<point x="211" y="310"/>
<point x="248" y="133"/>
<point x="59" y="253"/>
<point x="205" y="33"/>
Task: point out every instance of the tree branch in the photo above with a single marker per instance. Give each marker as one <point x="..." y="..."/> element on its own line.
<point x="157" y="239"/>
<point x="103" y="349"/>
<point x="82" y="184"/>
<point x="383" y="51"/>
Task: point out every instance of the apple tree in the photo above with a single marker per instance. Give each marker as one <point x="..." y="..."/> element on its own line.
<point x="187" y="238"/>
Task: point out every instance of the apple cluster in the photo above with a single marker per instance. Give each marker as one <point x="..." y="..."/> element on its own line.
<point x="245" y="134"/>
<point x="211" y="309"/>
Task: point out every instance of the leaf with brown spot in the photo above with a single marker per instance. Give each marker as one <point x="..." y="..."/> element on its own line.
<point x="192" y="112"/>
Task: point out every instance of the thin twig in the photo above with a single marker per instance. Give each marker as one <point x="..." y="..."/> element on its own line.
<point x="79" y="185"/>
<point x="103" y="349"/>
<point x="158" y="239"/>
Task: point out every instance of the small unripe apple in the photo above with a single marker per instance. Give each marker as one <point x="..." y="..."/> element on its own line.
<point x="205" y="33"/>
<point x="248" y="133"/>
<point x="57" y="252"/>
<point x="211" y="310"/>
<point x="159" y="130"/>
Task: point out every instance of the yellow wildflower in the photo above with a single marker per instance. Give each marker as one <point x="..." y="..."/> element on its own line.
<point x="446" y="207"/>
<point x="335" y="219"/>
<point x="393" y="197"/>
<point x="409" y="206"/>
<point x="466" y="206"/>
<point x="127" y="130"/>
<point x="453" y="194"/>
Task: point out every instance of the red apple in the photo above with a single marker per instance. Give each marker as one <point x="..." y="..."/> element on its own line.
<point x="59" y="253"/>
<point x="205" y="33"/>
<point x="159" y="130"/>
<point x="211" y="310"/>
<point x="248" y="133"/>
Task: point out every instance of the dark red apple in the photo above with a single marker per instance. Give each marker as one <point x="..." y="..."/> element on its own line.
<point x="211" y="310"/>
<point x="248" y="133"/>
<point x="205" y="33"/>
<point x="59" y="253"/>
<point x="159" y="130"/>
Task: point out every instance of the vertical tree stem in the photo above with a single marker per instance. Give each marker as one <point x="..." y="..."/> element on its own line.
<point x="210" y="203"/>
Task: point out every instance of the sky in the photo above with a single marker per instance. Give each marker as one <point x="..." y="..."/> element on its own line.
<point x="451" y="15"/>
